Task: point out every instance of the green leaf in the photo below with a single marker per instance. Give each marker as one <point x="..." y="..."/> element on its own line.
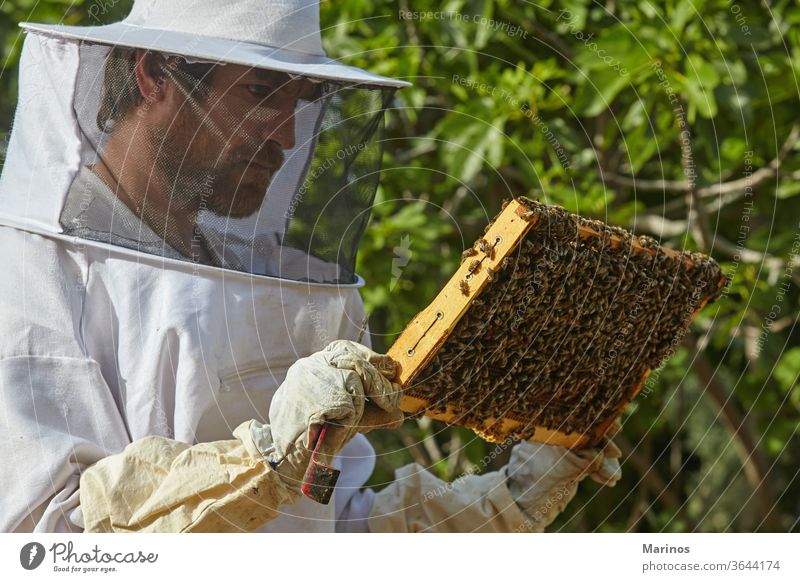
<point x="597" y="92"/>
<point x="787" y="370"/>
<point x="701" y="79"/>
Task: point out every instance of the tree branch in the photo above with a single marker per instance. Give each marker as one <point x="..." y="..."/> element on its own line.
<point x="683" y="186"/>
<point x="419" y="454"/>
<point x="659" y="225"/>
<point x="651" y="479"/>
<point x="647" y="185"/>
<point x="739" y="424"/>
<point x="760" y="175"/>
<point x="667" y="228"/>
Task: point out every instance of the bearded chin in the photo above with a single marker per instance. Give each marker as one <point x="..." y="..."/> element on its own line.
<point x="196" y="186"/>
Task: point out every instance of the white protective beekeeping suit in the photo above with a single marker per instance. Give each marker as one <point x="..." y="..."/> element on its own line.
<point x="118" y="322"/>
<point x="110" y="333"/>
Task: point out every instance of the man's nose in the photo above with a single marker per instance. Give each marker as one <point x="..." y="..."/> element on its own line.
<point x="280" y="127"/>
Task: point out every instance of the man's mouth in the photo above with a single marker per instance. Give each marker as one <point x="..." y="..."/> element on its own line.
<point x="259" y="168"/>
<point x="260" y="165"/>
<point x="264" y="165"/>
<point x="253" y="166"/>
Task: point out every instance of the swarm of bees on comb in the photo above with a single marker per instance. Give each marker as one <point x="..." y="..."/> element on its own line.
<point x="550" y="327"/>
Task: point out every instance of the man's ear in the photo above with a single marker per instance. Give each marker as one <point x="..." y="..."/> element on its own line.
<point x="149" y="76"/>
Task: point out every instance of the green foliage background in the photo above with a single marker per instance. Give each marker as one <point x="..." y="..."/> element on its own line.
<point x="587" y="105"/>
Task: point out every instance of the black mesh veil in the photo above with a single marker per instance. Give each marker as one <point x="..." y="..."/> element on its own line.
<point x="225" y="165"/>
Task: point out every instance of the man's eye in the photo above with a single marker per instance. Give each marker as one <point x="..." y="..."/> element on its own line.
<point x="260" y="91"/>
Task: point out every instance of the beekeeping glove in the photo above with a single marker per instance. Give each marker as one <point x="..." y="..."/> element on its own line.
<point x="543" y="479"/>
<point x="524" y="496"/>
<point x="346" y="385"/>
<point x="161" y="485"/>
<point x="418" y="501"/>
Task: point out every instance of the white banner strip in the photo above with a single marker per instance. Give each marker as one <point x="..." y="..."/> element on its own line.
<point x="385" y="558"/>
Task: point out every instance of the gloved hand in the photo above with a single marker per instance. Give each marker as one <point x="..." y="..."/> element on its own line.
<point x="347" y="385"/>
<point x="543" y="479"/>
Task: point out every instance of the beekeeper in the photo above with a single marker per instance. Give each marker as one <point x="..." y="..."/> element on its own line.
<point x="180" y="211"/>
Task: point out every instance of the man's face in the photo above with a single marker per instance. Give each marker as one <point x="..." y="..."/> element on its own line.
<point x="224" y="148"/>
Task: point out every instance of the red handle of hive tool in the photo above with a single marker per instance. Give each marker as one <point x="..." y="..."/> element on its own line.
<point x="320" y="479"/>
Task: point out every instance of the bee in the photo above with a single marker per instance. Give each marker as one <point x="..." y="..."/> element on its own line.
<point x="470" y="252"/>
<point x="474" y="266"/>
<point x="464" y="287"/>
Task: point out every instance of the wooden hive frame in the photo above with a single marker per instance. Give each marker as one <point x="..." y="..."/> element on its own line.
<point x="429" y="329"/>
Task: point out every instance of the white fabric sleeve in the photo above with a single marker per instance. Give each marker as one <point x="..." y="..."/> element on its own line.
<point x="417" y="501"/>
<point x="355" y="516"/>
<point x="57" y="417"/>
<point x="60" y="440"/>
<point x="356" y="461"/>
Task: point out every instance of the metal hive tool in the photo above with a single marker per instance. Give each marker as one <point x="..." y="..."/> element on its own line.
<point x="550" y="327"/>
